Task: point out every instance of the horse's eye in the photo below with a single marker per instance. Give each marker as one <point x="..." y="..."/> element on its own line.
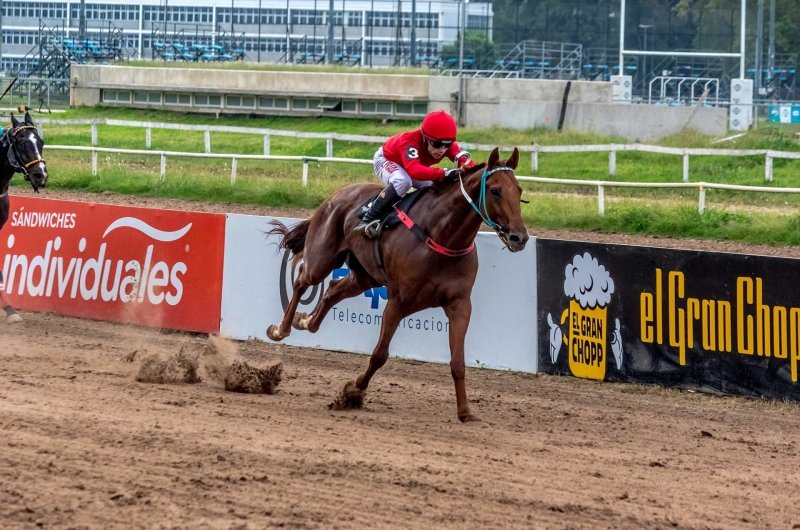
<point x="495" y="192"/>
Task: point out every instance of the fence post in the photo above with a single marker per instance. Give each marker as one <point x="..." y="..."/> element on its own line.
<point x="686" y="167"/>
<point x="329" y="148"/>
<point x="612" y="161"/>
<point x="535" y="159"/>
<point x="601" y="200"/>
<point x="305" y="172"/>
<point x="163" y="167"/>
<point x="94" y="162"/>
<point x="701" y="207"/>
<point x="147" y="137"/>
<point x="94" y="134"/>
<point x="40" y="130"/>
<point x="233" y="172"/>
<point x="768" y="168"/>
<point x="266" y="145"/>
<point x="207" y="140"/>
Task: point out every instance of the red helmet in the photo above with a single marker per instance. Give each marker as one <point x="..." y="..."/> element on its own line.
<point x="439" y="126"/>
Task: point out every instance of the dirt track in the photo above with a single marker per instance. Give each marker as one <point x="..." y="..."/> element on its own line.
<point x="85" y="446"/>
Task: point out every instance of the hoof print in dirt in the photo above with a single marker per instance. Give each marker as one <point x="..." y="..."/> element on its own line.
<point x="351" y="397"/>
<point x="243" y="377"/>
<point x="179" y="368"/>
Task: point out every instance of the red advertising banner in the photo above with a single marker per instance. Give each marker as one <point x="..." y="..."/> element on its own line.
<point x="159" y="268"/>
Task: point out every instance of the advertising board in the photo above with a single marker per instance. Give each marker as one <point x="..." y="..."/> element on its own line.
<point x="152" y="267"/>
<point x="257" y="285"/>
<point x="702" y="320"/>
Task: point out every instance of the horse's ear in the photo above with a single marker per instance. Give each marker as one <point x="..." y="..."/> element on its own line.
<point x="28" y="119"/>
<point x="494" y="158"/>
<point x="514" y="160"/>
<point x="14" y="122"/>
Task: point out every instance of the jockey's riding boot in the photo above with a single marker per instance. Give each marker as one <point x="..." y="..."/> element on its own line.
<point x="369" y="223"/>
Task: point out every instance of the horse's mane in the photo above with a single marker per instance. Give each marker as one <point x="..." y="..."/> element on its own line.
<point x="440" y="186"/>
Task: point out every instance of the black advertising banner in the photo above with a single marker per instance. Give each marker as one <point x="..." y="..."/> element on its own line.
<point x="709" y="321"/>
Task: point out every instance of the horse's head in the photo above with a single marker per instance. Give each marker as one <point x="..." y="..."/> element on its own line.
<point x="502" y="196"/>
<point x="25" y="151"/>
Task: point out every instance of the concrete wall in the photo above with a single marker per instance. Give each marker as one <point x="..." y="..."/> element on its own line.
<point x="512" y="103"/>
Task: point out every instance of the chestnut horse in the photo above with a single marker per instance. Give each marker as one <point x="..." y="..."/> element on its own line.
<point x="417" y="275"/>
<point x="20" y="152"/>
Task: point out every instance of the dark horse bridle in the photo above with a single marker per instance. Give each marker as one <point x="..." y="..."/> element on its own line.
<point x="14" y="157"/>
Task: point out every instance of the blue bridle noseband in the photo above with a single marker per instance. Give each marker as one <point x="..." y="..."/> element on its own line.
<point x="481" y="206"/>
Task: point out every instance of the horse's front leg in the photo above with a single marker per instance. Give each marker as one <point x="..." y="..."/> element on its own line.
<point x="11" y="316"/>
<point x="459" y="312"/>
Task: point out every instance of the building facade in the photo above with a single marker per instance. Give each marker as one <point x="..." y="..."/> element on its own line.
<point x="366" y="33"/>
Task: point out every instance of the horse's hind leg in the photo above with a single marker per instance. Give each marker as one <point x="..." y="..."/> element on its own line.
<point x="11" y="316"/>
<point x="351" y="285"/>
<point x="301" y="284"/>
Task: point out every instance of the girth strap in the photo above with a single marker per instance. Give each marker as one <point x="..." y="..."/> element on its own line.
<point x="430" y="243"/>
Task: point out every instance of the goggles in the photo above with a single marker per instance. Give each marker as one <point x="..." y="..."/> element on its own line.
<point x="437" y="144"/>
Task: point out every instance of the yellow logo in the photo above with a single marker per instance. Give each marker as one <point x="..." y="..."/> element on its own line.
<point x="589" y="287"/>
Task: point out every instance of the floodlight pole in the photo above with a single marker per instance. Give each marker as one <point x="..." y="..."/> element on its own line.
<point x="743" y="17"/>
<point x="759" y="45"/>
<point x="771" y="51"/>
<point x="462" y="34"/>
<point x="621" y="36"/>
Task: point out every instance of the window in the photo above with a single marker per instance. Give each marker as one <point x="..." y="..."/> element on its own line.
<point x="306" y="104"/>
<point x="382" y="19"/>
<point x="206" y="100"/>
<point x="268" y="102"/>
<point x="177" y="99"/>
<point x="477" y="22"/>
<point x="376" y="107"/>
<point x="273" y="16"/>
<point x="349" y="106"/>
<point x="268" y="44"/>
<point x="34" y="10"/>
<point x="116" y="96"/>
<point x="22" y="38"/>
<point x="309" y="17"/>
<point x="106" y="11"/>
<point x="412" y="108"/>
<point x="246" y="102"/>
<point x="178" y="14"/>
<point x="152" y="98"/>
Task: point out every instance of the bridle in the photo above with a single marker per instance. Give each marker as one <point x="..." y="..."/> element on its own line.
<point x="481" y="208"/>
<point x="14" y="158"/>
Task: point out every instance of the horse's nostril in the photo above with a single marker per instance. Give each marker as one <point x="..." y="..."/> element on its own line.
<point x="514" y="239"/>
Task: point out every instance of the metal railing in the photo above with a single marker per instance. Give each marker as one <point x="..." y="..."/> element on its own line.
<point x="599" y="184"/>
<point x="611" y="149"/>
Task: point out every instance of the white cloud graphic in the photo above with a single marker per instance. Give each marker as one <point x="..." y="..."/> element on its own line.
<point x="588" y="282"/>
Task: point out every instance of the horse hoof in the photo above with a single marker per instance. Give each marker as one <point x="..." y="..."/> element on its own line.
<point x="469" y="418"/>
<point x="300" y="321"/>
<point x="274" y="333"/>
<point x="13" y="318"/>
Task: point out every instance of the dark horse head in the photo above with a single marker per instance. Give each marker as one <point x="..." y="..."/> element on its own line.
<point x="503" y="196"/>
<point x="22" y="147"/>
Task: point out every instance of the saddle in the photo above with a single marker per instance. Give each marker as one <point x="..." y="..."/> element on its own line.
<point x="390" y="219"/>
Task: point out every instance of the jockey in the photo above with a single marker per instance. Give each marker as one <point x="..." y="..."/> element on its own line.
<point x="405" y="160"/>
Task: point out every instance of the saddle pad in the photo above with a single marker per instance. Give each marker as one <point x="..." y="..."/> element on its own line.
<point x="390" y="220"/>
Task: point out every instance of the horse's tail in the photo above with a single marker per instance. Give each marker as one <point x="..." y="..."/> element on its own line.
<point x="293" y="238"/>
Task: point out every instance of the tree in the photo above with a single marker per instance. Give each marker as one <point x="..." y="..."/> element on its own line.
<point x="477" y="47"/>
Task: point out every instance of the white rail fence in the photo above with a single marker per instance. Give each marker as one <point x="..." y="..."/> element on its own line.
<point x="599" y="184"/>
<point x="534" y="150"/>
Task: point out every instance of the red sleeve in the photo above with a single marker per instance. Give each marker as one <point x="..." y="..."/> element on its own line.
<point x="415" y="169"/>
<point x="453" y="151"/>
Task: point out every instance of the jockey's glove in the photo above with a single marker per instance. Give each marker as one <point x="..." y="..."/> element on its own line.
<point x="451" y="175"/>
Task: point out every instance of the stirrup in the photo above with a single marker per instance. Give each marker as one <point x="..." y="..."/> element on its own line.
<point x="368" y="229"/>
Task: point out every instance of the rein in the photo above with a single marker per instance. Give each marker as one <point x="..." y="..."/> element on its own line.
<point x="482" y="201"/>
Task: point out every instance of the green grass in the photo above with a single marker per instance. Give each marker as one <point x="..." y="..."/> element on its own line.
<point x="730" y="215"/>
